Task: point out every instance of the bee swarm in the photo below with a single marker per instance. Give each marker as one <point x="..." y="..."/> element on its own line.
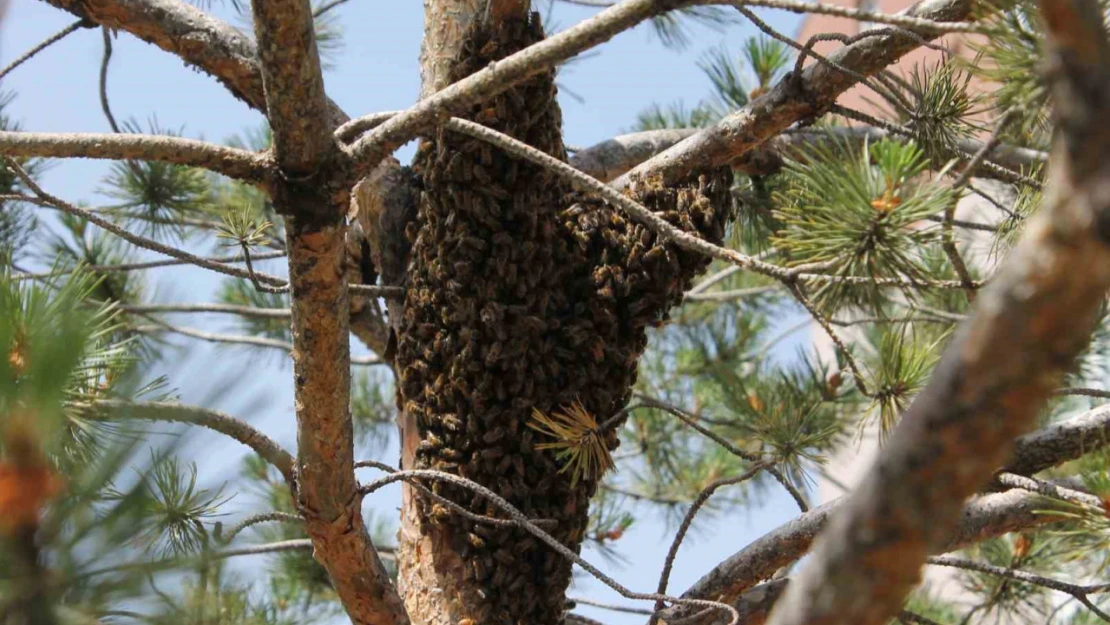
<point x="525" y="295"/>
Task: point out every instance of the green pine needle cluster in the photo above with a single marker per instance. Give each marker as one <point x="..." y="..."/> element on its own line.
<point x="862" y="212"/>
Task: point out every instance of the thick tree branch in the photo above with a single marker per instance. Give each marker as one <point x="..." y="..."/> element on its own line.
<point x="614" y="157"/>
<point x="795" y="98"/>
<point x="503" y="74"/>
<point x="1060" y="442"/>
<point x="983" y="517"/>
<point x="1027" y="327"/>
<point x="990" y="515"/>
<point x="179" y="413"/>
<point x="231" y="162"/>
<point x="294" y="83"/>
<point x="211" y="45"/>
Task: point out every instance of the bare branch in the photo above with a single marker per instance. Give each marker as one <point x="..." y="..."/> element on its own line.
<point x="613" y="157"/>
<point x="1079" y="591"/>
<point x="257" y="341"/>
<point x="524" y="523"/>
<point x="1000" y="369"/>
<point x="141" y="266"/>
<point x="45" y="199"/>
<point x="231" y="162"/>
<point x="265" y="517"/>
<point x="795" y="98"/>
<point x="46" y="43"/>
<point x="263" y="445"/>
<point x="231" y="309"/>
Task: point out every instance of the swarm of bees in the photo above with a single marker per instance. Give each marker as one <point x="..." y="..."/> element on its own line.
<point x="523" y="296"/>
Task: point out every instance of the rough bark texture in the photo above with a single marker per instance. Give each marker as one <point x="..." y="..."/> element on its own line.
<point x="734" y="579"/>
<point x="326" y="491"/>
<point x="795" y="98"/>
<point x="295" y="102"/>
<point x="519" y="296"/>
<point x="1001" y="367"/>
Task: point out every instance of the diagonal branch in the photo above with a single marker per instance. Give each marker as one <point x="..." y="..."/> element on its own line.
<point x="211" y="45"/>
<point x="46" y="43"/>
<point x="231" y="162"/>
<point x="1060" y="442"/>
<point x="511" y="70"/>
<point x="1028" y="325"/>
<point x="796" y="97"/>
<point x="211" y="419"/>
<point x="990" y="515"/>
<point x="613" y="157"/>
<point x="983" y="517"/>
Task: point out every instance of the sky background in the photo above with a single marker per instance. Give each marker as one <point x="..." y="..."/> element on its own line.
<point x="376" y="70"/>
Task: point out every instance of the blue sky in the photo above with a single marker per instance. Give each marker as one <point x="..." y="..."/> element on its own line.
<point x="376" y="70"/>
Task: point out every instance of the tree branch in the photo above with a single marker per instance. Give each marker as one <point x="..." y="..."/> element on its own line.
<point x="794" y="98"/>
<point x="1060" y="442"/>
<point x="46" y="43"/>
<point x="225" y="424"/>
<point x="211" y="45"/>
<point x="983" y="517"/>
<point x="154" y="264"/>
<point x="231" y="309"/>
<point x="45" y="199"/>
<point x="499" y="76"/>
<point x="231" y="162"/>
<point x="1028" y="325"/>
<point x="613" y="157"/>
<point x="294" y="84"/>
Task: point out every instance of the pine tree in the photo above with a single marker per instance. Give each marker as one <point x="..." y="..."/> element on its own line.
<point x="573" y="338"/>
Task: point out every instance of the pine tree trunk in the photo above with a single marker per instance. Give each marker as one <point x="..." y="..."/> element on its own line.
<point x="520" y="296"/>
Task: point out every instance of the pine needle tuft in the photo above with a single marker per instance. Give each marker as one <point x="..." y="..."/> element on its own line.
<point x="578" y="441"/>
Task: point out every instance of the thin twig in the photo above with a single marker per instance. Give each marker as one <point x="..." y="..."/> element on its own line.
<point x="527" y="525"/>
<point x="139" y="266"/>
<point x="220" y="422"/>
<point x="46" y="43"/>
<point x="458" y="509"/>
<point x="841" y="346"/>
<point x="265" y="517"/>
<point x="231" y="309"/>
<point x="691" y="421"/>
<point x="1080" y="592"/>
<point x="688" y="520"/>
<point x="610" y="606"/>
<point x="258" y="341"/>
<point x="141" y="241"/>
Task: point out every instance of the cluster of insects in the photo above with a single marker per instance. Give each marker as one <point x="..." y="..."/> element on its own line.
<point x="523" y="296"/>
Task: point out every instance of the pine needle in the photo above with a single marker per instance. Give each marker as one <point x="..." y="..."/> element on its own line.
<point x="578" y="441"/>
